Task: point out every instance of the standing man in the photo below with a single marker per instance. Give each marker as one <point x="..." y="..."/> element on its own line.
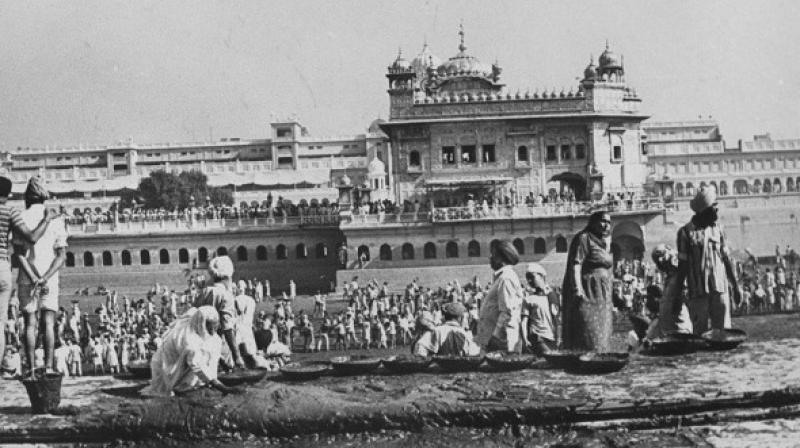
<point x="11" y="220"/>
<point x="705" y="264"/>
<point x="538" y="327"/>
<point x="498" y="327"/>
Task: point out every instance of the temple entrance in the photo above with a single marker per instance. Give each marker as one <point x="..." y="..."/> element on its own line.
<point x="571" y="182"/>
<point x="627" y="241"/>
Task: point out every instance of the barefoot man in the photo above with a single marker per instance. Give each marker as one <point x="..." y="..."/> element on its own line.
<point x="38" y="278"/>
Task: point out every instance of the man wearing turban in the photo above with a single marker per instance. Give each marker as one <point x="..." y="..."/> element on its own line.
<point x="706" y="266"/>
<point x="38" y="282"/>
<point x="498" y="326"/>
<point x="220" y="296"/>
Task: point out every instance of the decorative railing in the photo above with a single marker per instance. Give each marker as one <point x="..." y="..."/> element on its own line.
<point x="478" y="212"/>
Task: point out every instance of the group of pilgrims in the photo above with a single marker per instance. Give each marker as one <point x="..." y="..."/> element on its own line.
<point x="697" y="280"/>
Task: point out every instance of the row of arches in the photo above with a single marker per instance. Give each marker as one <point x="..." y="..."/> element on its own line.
<point x="742" y="186"/>
<point x="203" y="254"/>
<point x="452" y="249"/>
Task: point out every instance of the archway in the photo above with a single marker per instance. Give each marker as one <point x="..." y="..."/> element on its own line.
<point x="363" y="252"/>
<point x="474" y="249"/>
<point x="679" y="189"/>
<point x="723" y="188"/>
<point x="789" y="185"/>
<point x="385" y="252"/>
<point x="740" y="186"/>
<point x="451" y="250"/>
<point x="574" y="181"/>
<point x="628" y="238"/>
<point x="767" y="186"/>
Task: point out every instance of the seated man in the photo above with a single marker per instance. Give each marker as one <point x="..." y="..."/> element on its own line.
<point x="449" y="338"/>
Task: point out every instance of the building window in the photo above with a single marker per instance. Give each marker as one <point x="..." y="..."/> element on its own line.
<point x="448" y="155"/>
<point x="241" y="253"/>
<point x="617" y="153"/>
<point x="88" y="259"/>
<point x="473" y="249"/>
<point x="280" y="252"/>
<point x="322" y="250"/>
<point x="539" y="246"/>
<point x="385" y="252"/>
<point x="580" y="151"/>
<point x="551" y="153"/>
<point x="429" y="251"/>
<point x="202" y="255"/>
<point x="301" y="251"/>
<point x="468" y="154"/>
<point x="413" y="158"/>
<point x="561" y="244"/>
<point x="363" y="253"/>
<point x="183" y="256"/>
<point x="70" y="260"/>
<point x="451" y="250"/>
<point x="522" y="153"/>
<point x="284" y="132"/>
<point x="565" y="154"/>
<point x="107" y="259"/>
<point x="144" y="257"/>
<point x="407" y="251"/>
<point x="488" y="154"/>
<point x="222" y="250"/>
<point x="261" y="253"/>
<point x="644" y="148"/>
<point x="163" y="256"/>
<point x="126" y="258"/>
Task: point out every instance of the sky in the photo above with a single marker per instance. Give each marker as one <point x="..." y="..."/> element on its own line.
<point x="96" y="72"/>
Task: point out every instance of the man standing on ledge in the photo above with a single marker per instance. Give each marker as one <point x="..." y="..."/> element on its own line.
<point x="37" y="281"/>
<point x="705" y="264"/>
<point x="10" y="220"/>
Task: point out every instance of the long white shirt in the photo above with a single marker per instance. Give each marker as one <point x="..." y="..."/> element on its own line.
<point x="500" y="310"/>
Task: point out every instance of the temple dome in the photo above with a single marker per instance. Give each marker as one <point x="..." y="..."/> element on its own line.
<point x="609" y="59"/>
<point x="463" y="62"/>
<point x="425" y="59"/>
<point x="400" y="63"/>
<point x="376" y="167"/>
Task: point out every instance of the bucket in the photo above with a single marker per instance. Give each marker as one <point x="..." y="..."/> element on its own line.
<point x="44" y="392"/>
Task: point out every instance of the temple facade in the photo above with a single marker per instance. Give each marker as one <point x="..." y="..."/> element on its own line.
<point x="455" y="130"/>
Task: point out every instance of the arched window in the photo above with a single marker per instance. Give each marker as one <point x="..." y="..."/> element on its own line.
<point x="222" y="250"/>
<point x="144" y="256"/>
<point x="679" y="189"/>
<point x="281" y="253"/>
<point x="322" y="250"/>
<point x="407" y="251"/>
<point x="261" y="253"/>
<point x="363" y="250"/>
<point x="241" y="253"/>
<point x="183" y="255"/>
<point x="519" y="245"/>
<point x="429" y="251"/>
<point x="767" y="186"/>
<point x="163" y="256"/>
<point x="107" y="259"/>
<point x="561" y="244"/>
<point x="723" y="188"/>
<point x="301" y="251"/>
<point x="413" y="158"/>
<point x="70" y="260"/>
<point x="385" y="252"/>
<point x="88" y="259"/>
<point x="202" y="255"/>
<point x="492" y="245"/>
<point x="126" y="257"/>
<point x="539" y="246"/>
<point x="789" y="184"/>
<point x="451" y="249"/>
<point x="474" y="249"/>
<point x="522" y="153"/>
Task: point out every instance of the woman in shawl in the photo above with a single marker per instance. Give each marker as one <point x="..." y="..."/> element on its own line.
<point x="189" y="356"/>
<point x="588" y="313"/>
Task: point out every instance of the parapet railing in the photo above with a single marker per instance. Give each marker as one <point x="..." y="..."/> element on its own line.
<point x="478" y="212"/>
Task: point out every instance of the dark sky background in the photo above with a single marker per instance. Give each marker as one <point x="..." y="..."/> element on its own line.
<point x="96" y="72"/>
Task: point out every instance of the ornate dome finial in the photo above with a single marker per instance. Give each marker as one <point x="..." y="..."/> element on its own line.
<point x="461" y="46"/>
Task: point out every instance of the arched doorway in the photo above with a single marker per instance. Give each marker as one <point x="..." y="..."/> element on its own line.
<point x="574" y="182"/>
<point x="628" y="238"/>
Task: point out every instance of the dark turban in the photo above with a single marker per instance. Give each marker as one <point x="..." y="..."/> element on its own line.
<point x="5" y="186"/>
<point x="36" y="193"/>
<point x="507" y="252"/>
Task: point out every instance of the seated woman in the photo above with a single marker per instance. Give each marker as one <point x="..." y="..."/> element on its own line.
<point x="449" y="338"/>
<point x="189" y="356"/>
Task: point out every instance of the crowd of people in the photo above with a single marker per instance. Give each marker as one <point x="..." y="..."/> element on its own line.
<point x="690" y="288"/>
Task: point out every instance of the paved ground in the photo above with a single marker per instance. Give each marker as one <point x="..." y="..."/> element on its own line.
<point x="709" y="395"/>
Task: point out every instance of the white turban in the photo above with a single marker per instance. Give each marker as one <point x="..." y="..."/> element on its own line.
<point x="221" y="267"/>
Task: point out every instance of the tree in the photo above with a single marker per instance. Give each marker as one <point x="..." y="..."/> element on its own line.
<point x="170" y="191"/>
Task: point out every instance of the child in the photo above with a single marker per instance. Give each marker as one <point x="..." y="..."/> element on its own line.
<point x="391" y="331"/>
<point x="341" y="335"/>
<point x="60" y="358"/>
<point x="97" y="357"/>
<point x="75" y="358"/>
